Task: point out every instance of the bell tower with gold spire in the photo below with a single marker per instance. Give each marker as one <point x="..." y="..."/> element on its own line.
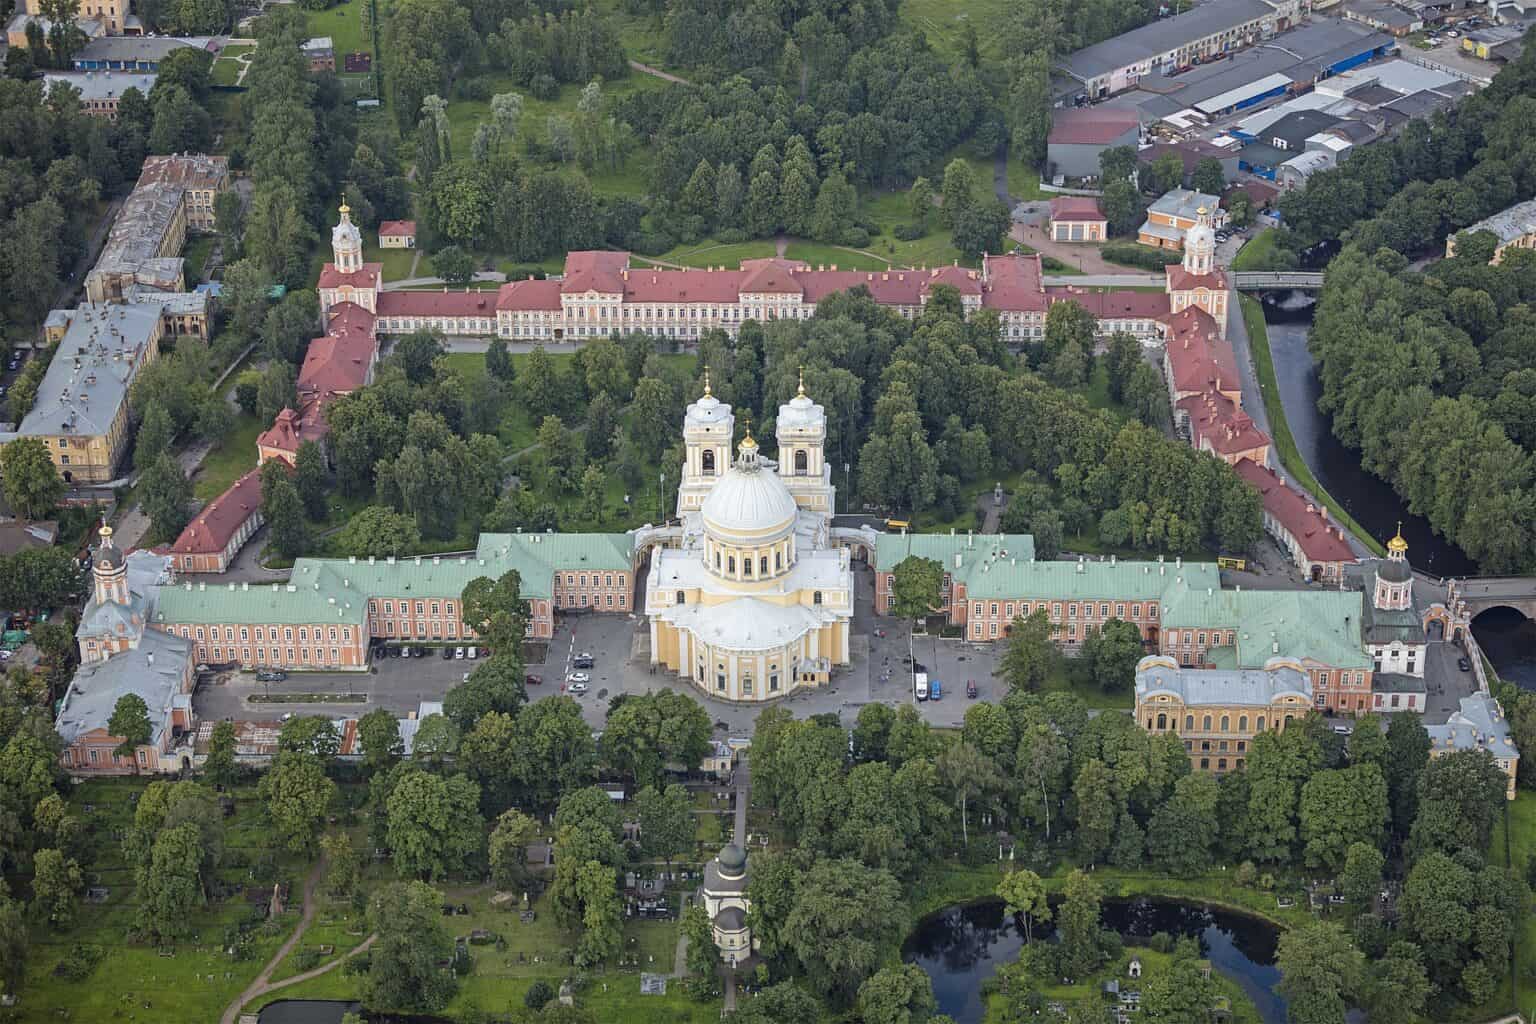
<point x="1394" y="577"/>
<point x="801" y="432"/>
<point x="707" y="431"/>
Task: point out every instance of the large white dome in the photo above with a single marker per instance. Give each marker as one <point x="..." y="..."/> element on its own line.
<point x="749" y="503"/>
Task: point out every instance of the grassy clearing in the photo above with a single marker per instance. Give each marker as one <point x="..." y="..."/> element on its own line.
<point x="1514" y="842"/>
<point x="1024" y="180"/>
<point x="344" y="24"/>
<point x="944" y="22"/>
<point x="709" y="253"/>
<point x="397" y="262"/>
<point x="844" y="258"/>
<point x="1285" y="443"/>
<point x="225" y="71"/>
<point x="231" y="459"/>
<point x="1256" y="252"/>
<point x="196" y="255"/>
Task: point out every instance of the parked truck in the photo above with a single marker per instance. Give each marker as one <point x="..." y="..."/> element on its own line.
<point x="920" y="686"/>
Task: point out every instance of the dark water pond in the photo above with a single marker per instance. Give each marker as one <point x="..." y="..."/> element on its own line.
<point x="330" y="1011"/>
<point x="960" y="947"/>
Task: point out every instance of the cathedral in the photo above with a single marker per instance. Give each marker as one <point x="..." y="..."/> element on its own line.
<point x="752" y="597"/>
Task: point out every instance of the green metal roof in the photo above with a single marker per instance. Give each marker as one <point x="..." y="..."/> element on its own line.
<point x="1002" y="566"/>
<point x="1323" y="625"/>
<point x="337" y="589"/>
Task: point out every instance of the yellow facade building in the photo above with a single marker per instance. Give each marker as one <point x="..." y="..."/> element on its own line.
<point x="1218" y="712"/>
<point x="750" y="598"/>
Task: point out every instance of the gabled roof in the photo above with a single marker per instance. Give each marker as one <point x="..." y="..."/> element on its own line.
<point x="1076" y="208"/>
<point x="338" y="362"/>
<point x="1323" y="625"/>
<point x="594" y="271"/>
<point x="368" y="276"/>
<point x="529" y="294"/>
<point x="1091" y="126"/>
<point x="468" y="302"/>
<point x="211" y="530"/>
<point x="1181" y="280"/>
<point x="397" y="227"/>
<point x="1320" y="539"/>
<point x="1015" y="283"/>
<point x="1197" y="355"/>
<point x="153" y="670"/>
<point x="1221" y="423"/>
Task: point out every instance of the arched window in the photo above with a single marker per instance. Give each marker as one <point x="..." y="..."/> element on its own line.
<point x="816" y="597"/>
<point x="1259" y="724"/>
<point x="1226" y="723"/>
<point x="682" y="598"/>
<point x="709" y="462"/>
<point x="1242" y="723"/>
<point x="801" y="462"/>
<point x="1162" y="720"/>
<point x="1189" y="723"/>
<point x="1207" y="725"/>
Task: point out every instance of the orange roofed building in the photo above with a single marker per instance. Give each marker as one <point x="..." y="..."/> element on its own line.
<point x="1314" y="542"/>
<point x="211" y="540"/>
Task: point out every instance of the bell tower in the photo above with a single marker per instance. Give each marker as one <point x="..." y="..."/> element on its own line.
<point x="707" y="431"/>
<point x="347" y="243"/>
<point x="801" y="431"/>
<point x="109" y="571"/>
<point x="1200" y="244"/>
<point x="1394" y="577"/>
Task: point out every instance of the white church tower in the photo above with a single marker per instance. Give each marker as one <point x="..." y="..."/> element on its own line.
<point x="347" y="243"/>
<point x="707" y="432"/>
<point x="1196" y="280"/>
<point x="1200" y="244"/>
<point x="347" y="278"/>
<point x="801" y="431"/>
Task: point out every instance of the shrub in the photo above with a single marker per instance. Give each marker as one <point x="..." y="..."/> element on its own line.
<point x="1052" y="263"/>
<point x="1267" y="881"/>
<point x="476" y="87"/>
<point x="908" y="232"/>
<point x="856" y="237"/>
<point x="357" y="965"/>
<point x="1160" y="942"/>
<point x="730" y="236"/>
<point x="1130" y="255"/>
<point x="544" y="87"/>
<point x="79" y="962"/>
<point x="539" y="993"/>
<point x="1246" y="873"/>
<point x="305" y="959"/>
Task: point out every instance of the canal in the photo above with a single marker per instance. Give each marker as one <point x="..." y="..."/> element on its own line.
<point x="1508" y="638"/>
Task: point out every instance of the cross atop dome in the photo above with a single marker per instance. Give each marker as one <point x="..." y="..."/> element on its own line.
<point x="1397" y="547"/>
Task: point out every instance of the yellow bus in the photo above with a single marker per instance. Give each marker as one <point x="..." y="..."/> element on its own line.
<point x="1231" y="563"/>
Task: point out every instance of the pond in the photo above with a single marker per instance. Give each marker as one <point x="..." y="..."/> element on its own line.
<point x="960" y="947"/>
<point x="330" y="1011"/>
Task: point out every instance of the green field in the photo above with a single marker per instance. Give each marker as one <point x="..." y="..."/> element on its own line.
<point x="1514" y="843"/>
<point x="229" y="460"/>
<point x="397" y="262"/>
<point x="196" y="256"/>
<point x="1285" y="443"/>
<point x="944" y="22"/>
<point x="818" y="254"/>
<point x="1256" y="252"/>
<point x="344" y="24"/>
<point x="709" y="253"/>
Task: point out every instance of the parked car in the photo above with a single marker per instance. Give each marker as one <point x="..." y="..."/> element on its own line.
<point x="582" y="662"/>
<point x="579" y="677"/>
<point x="271" y="676"/>
<point x="577" y="688"/>
<point x="532" y="680"/>
<point x="1464" y="664"/>
<point x="970" y="688"/>
<point x="447" y="653"/>
<point x="466" y="677"/>
<point x="394" y="652"/>
<point x="458" y="652"/>
<point x="471" y="653"/>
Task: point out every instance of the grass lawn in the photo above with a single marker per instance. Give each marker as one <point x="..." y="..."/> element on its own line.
<point x="397" y="262"/>
<point x="1514" y="841"/>
<point x="225" y="71"/>
<point x="1285" y="443"/>
<point x="1256" y="252"/>
<point x="1024" y="180"/>
<point x="231" y="459"/>
<point x="194" y="983"/>
<point x="944" y="22"/>
<point x="709" y="253"/>
<point x="464" y="116"/>
<point x="196" y="255"/>
<point x="344" y="24"/>
<point x="819" y="254"/>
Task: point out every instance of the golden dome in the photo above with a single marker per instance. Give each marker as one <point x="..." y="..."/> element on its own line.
<point x="1397" y="545"/>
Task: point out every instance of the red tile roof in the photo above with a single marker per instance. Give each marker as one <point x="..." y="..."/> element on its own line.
<point x="1107" y="304"/>
<point x="1014" y="283"/>
<point x="1319" y="538"/>
<point x="1181" y="280"/>
<point x="1221" y="423"/>
<point x="437" y="304"/>
<point x="594" y="271"/>
<point x="530" y="294"/>
<point x="397" y="227"/>
<point x="338" y="363"/>
<point x="1093" y="126"/>
<point x="292" y="429"/>
<point x="368" y="277"/>
<point x="1197" y="356"/>
<point x="210" y="532"/>
<point x="1075" y="208"/>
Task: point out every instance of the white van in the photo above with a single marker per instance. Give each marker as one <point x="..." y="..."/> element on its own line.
<point x="920" y="688"/>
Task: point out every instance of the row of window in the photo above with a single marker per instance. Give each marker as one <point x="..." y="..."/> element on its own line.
<point x="1164" y="721"/>
<point x="746" y="679"/>
<point x="581" y="601"/>
<point x="1025" y="608"/>
<point x="580" y="579"/>
<point x="303" y="655"/>
<point x="331" y="633"/>
<point x="447" y="607"/>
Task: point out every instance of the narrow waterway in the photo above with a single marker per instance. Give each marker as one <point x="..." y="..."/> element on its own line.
<point x="1508" y="638"/>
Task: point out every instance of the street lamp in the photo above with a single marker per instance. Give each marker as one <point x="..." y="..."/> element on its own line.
<point x="661" y="497"/>
<point x="847" y="486"/>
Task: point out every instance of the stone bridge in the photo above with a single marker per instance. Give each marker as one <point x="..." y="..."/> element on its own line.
<point x="1481" y="593"/>
<point x="1274" y="280"/>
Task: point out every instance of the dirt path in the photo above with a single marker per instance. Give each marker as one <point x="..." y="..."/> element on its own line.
<point x="646" y="69"/>
<point x="263" y="981"/>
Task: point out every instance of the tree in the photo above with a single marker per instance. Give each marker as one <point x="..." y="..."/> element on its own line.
<point x="33" y="486"/>
<point x="1112" y="652"/>
<point x="1182" y="831"/>
<point x="283" y="510"/>
<point x="495" y="684"/>
<point x="1407" y="753"/>
<point x="1121" y="206"/>
<point x="498" y="361"/>
<point x="314" y="735"/>
<point x="1117" y="163"/>
<point x="377" y="531"/>
<point x="968" y="773"/>
<point x="13" y="943"/>
<point x="165" y="494"/>
<point x="1361" y="877"/>
<point x="896" y="995"/>
<point x="666" y="819"/>
<point x="1209" y="177"/>
<point x="916" y="585"/>
<point x="647" y="732"/>
<point x="1398" y="986"/>
<point x="276" y="390"/>
<point x="403" y="970"/>
<point x="309" y="478"/>
<point x="1023" y="895"/>
<point x="539" y="994"/>
<point x="1077" y="924"/>
<point x="454" y="265"/>
<point x="154" y="437"/>
<point x="220" y="767"/>
<point x="1028" y="103"/>
<point x="981" y="227"/>
<point x="130" y="724"/>
<point x="703" y="957"/>
<point x="379" y="732"/>
<point x="1030" y="655"/>
<point x="784" y="1003"/>
<point x="1098" y="808"/>
<point x="1340" y="808"/>
<point x="958" y="191"/>
<point x="844" y="916"/>
<point x="508" y="851"/>
<point x="602" y="913"/>
<point x="56" y="881"/>
<point x="298" y="798"/>
<point x="172" y="886"/>
<point x="495" y="610"/>
<point x="434" y="824"/>
<point x="1180" y="992"/>
<point x="920" y="202"/>
<point x="1320" y="971"/>
<point x="1460" y="797"/>
<point x="343" y="867"/>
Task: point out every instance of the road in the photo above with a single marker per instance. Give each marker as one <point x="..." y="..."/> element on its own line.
<point x="1107" y="280"/>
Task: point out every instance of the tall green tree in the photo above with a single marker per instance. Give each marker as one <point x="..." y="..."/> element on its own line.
<point x="130" y="724"/>
<point x="1023" y="894"/>
<point x="403" y="967"/>
<point x="220" y="766"/>
<point x="298" y="798"/>
<point x="434" y="824"/>
<point x="1077" y="924"/>
<point x="647" y="732"/>
<point x="667" y="825"/>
